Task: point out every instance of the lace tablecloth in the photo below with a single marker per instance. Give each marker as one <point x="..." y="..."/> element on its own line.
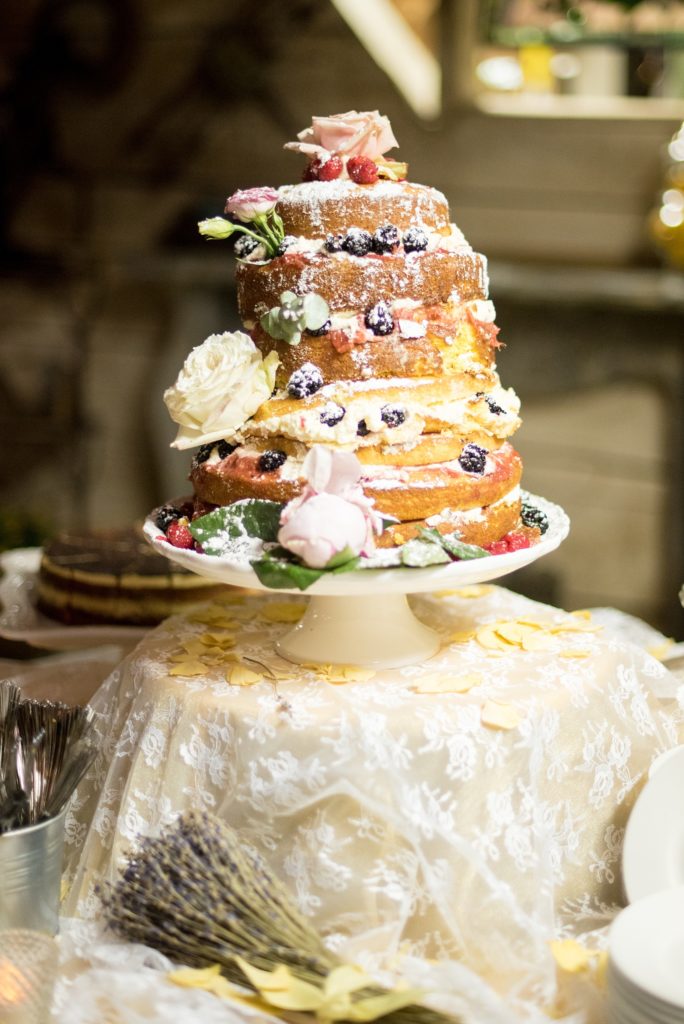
<point x="468" y="810"/>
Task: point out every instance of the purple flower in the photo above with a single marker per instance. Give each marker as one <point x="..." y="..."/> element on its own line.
<point x="250" y="204"/>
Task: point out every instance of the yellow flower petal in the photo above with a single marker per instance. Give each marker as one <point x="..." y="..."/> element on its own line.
<point x="660" y="650"/>
<point x="516" y="632"/>
<point x="349" y="673"/>
<point x="442" y="682"/>
<point x="461" y="637"/>
<point x="240" y="675"/>
<point x="582" y="613"/>
<point x="572" y="957"/>
<point x="218" y="639"/>
<point x="282" y="611"/>
<point x="574" y="652"/>
<point x="499" y="716"/>
<point x="538" y="642"/>
<point x="490" y="638"/>
<point x="189" y="668"/>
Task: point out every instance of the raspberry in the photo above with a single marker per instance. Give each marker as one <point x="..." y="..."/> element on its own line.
<point x="517" y="541"/>
<point x="330" y="169"/>
<point x="499" y="547"/>
<point x="331" y="414"/>
<point x="166" y="515"/>
<point x="357" y="242"/>
<point x="386" y="239"/>
<point x="362" y="170"/>
<point x="392" y="415"/>
<point x="305" y="381"/>
<point x="310" y="172"/>
<point x="415" y="240"/>
<point x="532" y="516"/>
<point x="270" y="461"/>
<point x="378" y="319"/>
<point x="473" y="458"/>
<point x="179" y="535"/>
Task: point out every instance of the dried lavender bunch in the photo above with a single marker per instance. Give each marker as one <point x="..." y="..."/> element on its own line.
<point x="200" y="896"/>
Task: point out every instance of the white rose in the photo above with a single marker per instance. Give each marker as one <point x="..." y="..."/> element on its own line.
<point x="223" y="382"/>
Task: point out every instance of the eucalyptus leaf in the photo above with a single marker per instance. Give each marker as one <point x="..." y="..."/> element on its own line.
<point x="219" y="530"/>
<point x="281" y="574"/>
<point x="452" y="543"/>
<point x="420" y="553"/>
<point x="316" y="311"/>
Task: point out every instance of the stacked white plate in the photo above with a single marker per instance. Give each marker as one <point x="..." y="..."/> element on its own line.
<point x="646" y="968"/>
<point x="646" y="946"/>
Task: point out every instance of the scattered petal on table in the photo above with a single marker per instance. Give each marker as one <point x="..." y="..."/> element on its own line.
<point x="473" y="591"/>
<point x="572" y="957"/>
<point x="240" y="675"/>
<point x="461" y="637"/>
<point x="282" y="611"/>
<point x="444" y="682"/>
<point x="218" y="639"/>
<point x="499" y="716"/>
<point x="189" y="668"/>
<point x="574" y="652"/>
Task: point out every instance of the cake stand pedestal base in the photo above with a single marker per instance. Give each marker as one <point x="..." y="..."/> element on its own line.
<point x="378" y="631"/>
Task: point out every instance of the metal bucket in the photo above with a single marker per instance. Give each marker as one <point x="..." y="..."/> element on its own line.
<point x="31" y="876"/>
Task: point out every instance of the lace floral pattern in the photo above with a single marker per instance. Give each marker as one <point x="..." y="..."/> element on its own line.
<point x="406" y="822"/>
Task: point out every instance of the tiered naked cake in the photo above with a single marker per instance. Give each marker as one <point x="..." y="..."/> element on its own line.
<point x="370" y="332"/>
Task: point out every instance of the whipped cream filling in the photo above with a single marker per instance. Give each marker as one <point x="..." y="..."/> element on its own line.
<point x="472" y="515"/>
<point x="452" y="240"/>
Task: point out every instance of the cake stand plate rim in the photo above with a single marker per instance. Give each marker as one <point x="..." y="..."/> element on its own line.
<point x="382" y="580"/>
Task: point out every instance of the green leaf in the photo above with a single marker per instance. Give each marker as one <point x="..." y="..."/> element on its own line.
<point x="218" y="531"/>
<point x="316" y="311"/>
<point x="281" y="574"/>
<point x="420" y="553"/>
<point x="341" y="558"/>
<point x="453" y="544"/>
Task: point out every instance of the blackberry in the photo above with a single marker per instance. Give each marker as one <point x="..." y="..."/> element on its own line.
<point x="362" y="428"/>
<point x="333" y="243"/>
<point x="495" y="409"/>
<point x="287" y="241"/>
<point x="305" y="381"/>
<point x="532" y="516"/>
<point x="270" y="461"/>
<point x="225" y="449"/>
<point x="392" y="415"/>
<point x="244" y="245"/>
<point x="378" y="319"/>
<point x="332" y="414"/>
<point x="415" y="240"/>
<point x="386" y="239"/>
<point x="203" y="453"/>
<point x="166" y="515"/>
<point x="473" y="458"/>
<point x="357" y="242"/>
<point x="319" y="331"/>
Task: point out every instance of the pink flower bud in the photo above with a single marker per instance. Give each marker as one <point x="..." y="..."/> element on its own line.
<point x="248" y="204"/>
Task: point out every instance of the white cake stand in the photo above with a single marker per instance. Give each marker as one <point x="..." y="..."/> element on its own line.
<point x="363" y="617"/>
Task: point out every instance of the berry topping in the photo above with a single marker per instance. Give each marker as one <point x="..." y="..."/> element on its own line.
<point x="362" y="170"/>
<point x="270" y="461"/>
<point x="532" y="516"/>
<point x="333" y="243"/>
<point x="320" y="331"/>
<point x="179" y="535"/>
<point x="166" y="515"/>
<point x="386" y="239"/>
<point x="495" y="409"/>
<point x="379" y="320"/>
<point x="224" y="449"/>
<point x="362" y="428"/>
<point x="473" y="458"/>
<point x="357" y="242"/>
<point x="245" y="245"/>
<point x="305" y="381"/>
<point x="330" y="169"/>
<point x="514" y="541"/>
<point x="331" y="414"/>
<point x="415" y="240"/>
<point x="203" y="453"/>
<point x="392" y="415"/>
<point x="287" y="241"/>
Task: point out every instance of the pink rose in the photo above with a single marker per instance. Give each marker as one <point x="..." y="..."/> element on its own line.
<point x="367" y="133"/>
<point x="251" y="203"/>
<point x="332" y="517"/>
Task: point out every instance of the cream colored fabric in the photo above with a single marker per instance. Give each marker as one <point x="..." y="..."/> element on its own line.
<point x="473" y="824"/>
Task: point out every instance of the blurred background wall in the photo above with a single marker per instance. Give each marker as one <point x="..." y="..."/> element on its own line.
<point x="547" y="125"/>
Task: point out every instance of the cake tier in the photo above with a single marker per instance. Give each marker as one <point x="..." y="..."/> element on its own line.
<point x="407" y="492"/>
<point x="114" y="577"/>
<point x="458" y="337"/>
<point x="359" y="282"/>
<point x="481" y="526"/>
<point x="314" y="209"/>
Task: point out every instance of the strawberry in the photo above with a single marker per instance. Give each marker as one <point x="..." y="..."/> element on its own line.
<point x="517" y="541"/>
<point x="179" y="535"/>
<point x="362" y="170"/>
<point x="499" y="547"/>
